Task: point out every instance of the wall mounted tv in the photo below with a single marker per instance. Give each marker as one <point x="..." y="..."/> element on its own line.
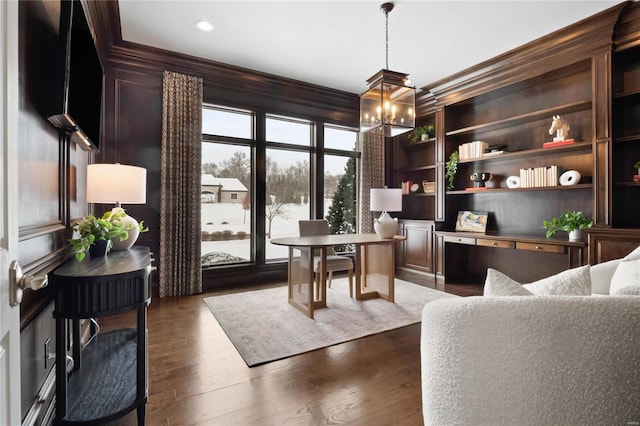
<point x="77" y="109"/>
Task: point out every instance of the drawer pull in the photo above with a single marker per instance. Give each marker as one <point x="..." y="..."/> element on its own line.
<point x="538" y="248"/>
<point x="493" y="243"/>
<point x="459" y="239"/>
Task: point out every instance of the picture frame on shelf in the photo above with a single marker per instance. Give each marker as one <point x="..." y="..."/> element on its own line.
<point x="472" y="221"/>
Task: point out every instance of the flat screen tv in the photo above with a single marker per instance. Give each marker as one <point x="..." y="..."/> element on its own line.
<point x="80" y="107"/>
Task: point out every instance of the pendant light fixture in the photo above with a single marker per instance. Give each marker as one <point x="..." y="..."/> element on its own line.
<point x="389" y="103"/>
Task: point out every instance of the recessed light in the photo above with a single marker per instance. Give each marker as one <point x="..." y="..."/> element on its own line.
<point x="204" y="25"/>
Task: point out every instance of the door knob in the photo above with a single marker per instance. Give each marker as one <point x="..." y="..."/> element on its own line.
<point x="18" y="282"/>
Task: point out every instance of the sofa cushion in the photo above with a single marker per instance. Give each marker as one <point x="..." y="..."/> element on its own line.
<point x="498" y="284"/>
<point x="572" y="282"/>
<point x="634" y="255"/>
<point x="601" y="275"/>
<point x="626" y="278"/>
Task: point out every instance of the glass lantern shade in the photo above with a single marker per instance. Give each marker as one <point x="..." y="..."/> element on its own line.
<point x="388" y="103"/>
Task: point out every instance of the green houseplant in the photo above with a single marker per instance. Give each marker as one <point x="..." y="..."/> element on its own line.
<point x="570" y="221"/>
<point x="451" y="169"/>
<point x="637" y="166"/>
<point x="416" y="134"/>
<point x="92" y="230"/>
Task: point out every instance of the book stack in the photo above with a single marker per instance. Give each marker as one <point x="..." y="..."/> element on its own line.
<point x="558" y="143"/>
<point x="471" y="150"/>
<point x="538" y="177"/>
<point x="406" y="187"/>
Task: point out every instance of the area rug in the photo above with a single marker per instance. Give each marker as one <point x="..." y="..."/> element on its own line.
<point x="264" y="327"/>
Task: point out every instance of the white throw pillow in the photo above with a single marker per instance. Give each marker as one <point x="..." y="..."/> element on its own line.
<point x="572" y="282"/>
<point x="601" y="275"/>
<point x="634" y="255"/>
<point x="498" y="284"/>
<point x="626" y="279"/>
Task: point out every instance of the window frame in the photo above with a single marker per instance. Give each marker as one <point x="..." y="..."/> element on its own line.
<point x="258" y="146"/>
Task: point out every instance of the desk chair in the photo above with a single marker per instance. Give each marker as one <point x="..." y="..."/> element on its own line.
<point x="335" y="262"/>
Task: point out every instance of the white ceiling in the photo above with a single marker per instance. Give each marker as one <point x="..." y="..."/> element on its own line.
<point x="340" y="44"/>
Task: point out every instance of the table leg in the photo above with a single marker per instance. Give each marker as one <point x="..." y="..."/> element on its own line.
<point x="377" y="273"/>
<point x="300" y="283"/>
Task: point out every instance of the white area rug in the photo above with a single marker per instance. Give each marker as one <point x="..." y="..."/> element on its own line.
<point x="264" y="327"/>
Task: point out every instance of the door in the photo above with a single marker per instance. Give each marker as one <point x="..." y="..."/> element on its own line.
<point x="9" y="316"/>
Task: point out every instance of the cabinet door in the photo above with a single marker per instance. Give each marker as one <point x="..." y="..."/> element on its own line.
<point x="418" y="245"/>
<point x="609" y="244"/>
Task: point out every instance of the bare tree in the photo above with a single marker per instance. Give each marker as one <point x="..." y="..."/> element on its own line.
<point x="239" y="167"/>
<point x="274" y="210"/>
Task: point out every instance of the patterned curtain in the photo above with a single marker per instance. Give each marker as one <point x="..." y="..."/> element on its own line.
<point x="371" y="175"/>
<point x="180" y="270"/>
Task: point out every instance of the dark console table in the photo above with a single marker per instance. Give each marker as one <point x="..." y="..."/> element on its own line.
<point x="109" y="375"/>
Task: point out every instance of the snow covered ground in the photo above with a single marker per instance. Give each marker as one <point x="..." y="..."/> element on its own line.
<point x="231" y="217"/>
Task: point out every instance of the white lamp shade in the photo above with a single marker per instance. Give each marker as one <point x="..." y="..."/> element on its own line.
<point x="116" y="183"/>
<point x="385" y="199"/>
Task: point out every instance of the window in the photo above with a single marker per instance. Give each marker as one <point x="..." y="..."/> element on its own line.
<point x="237" y="221"/>
<point x="226" y="187"/>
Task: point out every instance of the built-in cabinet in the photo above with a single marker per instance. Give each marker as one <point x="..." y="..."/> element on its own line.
<point x="626" y="139"/>
<point x="509" y="102"/>
<point x="417" y="169"/>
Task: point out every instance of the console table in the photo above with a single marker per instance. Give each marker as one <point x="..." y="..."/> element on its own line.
<point x="109" y="375"/>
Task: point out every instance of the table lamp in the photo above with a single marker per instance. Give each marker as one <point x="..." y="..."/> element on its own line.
<point x="385" y="200"/>
<point x="118" y="184"/>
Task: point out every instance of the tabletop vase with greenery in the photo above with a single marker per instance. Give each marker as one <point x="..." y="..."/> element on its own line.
<point x="97" y="232"/>
<point x="571" y="222"/>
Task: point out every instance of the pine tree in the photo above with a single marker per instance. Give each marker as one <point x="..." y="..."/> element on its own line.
<point x="342" y="212"/>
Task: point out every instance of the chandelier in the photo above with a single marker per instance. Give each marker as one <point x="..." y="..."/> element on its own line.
<point x="389" y="103"/>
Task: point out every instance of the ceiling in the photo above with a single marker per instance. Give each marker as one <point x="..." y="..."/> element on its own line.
<point x="340" y="44"/>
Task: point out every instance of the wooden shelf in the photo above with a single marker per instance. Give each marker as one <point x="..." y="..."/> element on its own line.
<point x="420" y="144"/>
<point x="543" y="188"/>
<point x="418" y="169"/>
<point x="523" y="118"/>
<point x="628" y="184"/>
<point x="631" y="138"/>
<point x="629" y="94"/>
<point x="579" y="146"/>
<point x="420" y="194"/>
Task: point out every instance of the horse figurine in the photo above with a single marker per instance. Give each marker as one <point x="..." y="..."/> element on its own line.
<point x="561" y="127"/>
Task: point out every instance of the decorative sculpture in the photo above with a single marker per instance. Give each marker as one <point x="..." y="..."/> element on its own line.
<point x="561" y="127"/>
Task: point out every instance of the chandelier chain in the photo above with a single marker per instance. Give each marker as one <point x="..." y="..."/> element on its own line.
<point x="386" y="39"/>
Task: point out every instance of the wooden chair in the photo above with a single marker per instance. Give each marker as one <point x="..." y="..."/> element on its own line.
<point x="335" y="262"/>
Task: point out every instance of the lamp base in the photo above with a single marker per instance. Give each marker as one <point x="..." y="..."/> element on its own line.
<point x="385" y="226"/>
<point x="134" y="232"/>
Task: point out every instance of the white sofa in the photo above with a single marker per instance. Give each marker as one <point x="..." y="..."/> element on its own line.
<point x="538" y="360"/>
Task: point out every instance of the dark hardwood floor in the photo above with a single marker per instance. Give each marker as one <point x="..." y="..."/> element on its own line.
<point x="196" y="376"/>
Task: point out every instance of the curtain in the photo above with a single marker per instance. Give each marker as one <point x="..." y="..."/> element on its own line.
<point x="371" y="173"/>
<point x="180" y="267"/>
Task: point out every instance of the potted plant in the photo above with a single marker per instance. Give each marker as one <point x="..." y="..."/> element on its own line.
<point x="422" y="133"/>
<point x="451" y="168"/>
<point x="637" y="166"/>
<point x="570" y="221"/>
<point x="95" y="234"/>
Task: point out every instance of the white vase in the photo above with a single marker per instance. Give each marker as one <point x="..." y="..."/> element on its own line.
<point x="134" y="231"/>
<point x="575" y="235"/>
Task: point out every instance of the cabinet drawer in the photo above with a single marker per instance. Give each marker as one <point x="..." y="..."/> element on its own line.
<point x="547" y="248"/>
<point x="496" y="243"/>
<point x="460" y="240"/>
